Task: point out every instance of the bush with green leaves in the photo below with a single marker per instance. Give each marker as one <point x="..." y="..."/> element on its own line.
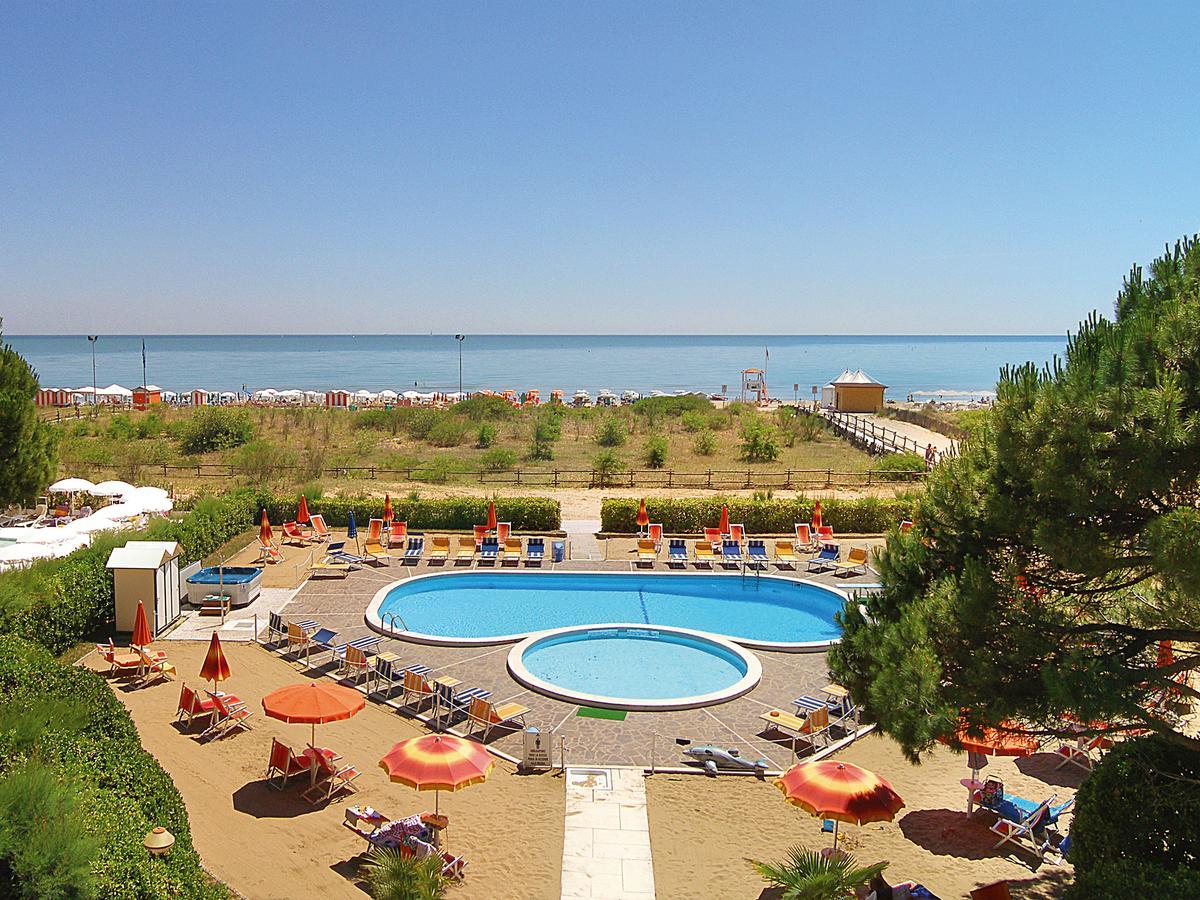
<point x="479" y="409"/>
<point x="392" y="875"/>
<point x="898" y="466"/>
<point x="28" y="446"/>
<point x="212" y="428"/>
<point x="811" y="875"/>
<point x="691" y="515"/>
<point x="486" y="436"/>
<point x="447" y="432"/>
<point x="705" y="443"/>
<point x="547" y="428"/>
<point x="676" y="407"/>
<point x="611" y="433"/>
<point x="656" y="452"/>
<point x="759" y="440"/>
<point x="606" y="465"/>
<point x="263" y="461"/>
<point x="498" y="459"/>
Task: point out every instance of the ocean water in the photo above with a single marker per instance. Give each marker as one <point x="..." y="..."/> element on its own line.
<point x="962" y="365"/>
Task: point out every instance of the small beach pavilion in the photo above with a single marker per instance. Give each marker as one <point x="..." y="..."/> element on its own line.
<point x="854" y="392"/>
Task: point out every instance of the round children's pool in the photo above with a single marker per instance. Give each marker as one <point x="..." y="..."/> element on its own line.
<point x="629" y="666"/>
<point x="465" y="608"/>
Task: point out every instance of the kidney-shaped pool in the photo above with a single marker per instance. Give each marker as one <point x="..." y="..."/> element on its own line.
<point x="763" y="611"/>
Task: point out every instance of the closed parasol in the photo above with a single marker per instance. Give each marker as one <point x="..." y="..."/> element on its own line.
<point x="141" y="628"/>
<point x="264" y="529"/>
<point x="724" y="519"/>
<point x="216" y="667"/>
<point x="302" y="515"/>
<point x="816" y="519"/>
<point x="388" y="515"/>
<point x="491" y="519"/>
<point x="643" y="517"/>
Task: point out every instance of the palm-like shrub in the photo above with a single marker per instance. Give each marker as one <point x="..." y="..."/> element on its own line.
<point x="394" y="876"/>
<point x="807" y="875"/>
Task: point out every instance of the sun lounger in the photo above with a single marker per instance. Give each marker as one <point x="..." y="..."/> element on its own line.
<point x="404" y="836"/>
<point x="677" y="555"/>
<point x="510" y="552"/>
<point x="283" y="764"/>
<point x="327" y="565"/>
<point x="453" y="704"/>
<point x="155" y="666"/>
<point x="503" y="529"/>
<point x="336" y="550"/>
<point x="803" y="535"/>
<point x="737" y="533"/>
<point x="356" y="664"/>
<point x="319" y="528"/>
<point x="841" y="709"/>
<point x="276" y="628"/>
<point x="440" y="548"/>
<point x="714" y="537"/>
<point x="905" y="526"/>
<point x="293" y="535"/>
<point x="785" y="554"/>
<point x="731" y="554"/>
<point x="465" y="552"/>
<point x="702" y="553"/>
<point x="811" y="726"/>
<point x="386" y="669"/>
<point x="193" y="706"/>
<point x="417" y="684"/>
<point x="855" y="564"/>
<point x="231" y="714"/>
<point x="489" y="551"/>
<point x="330" y="780"/>
<point x="825" y="560"/>
<point x="119" y="660"/>
<point x="481" y="531"/>
<point x="373" y="546"/>
<point x="1085" y="752"/>
<point x="756" y="550"/>
<point x="654" y="532"/>
<point x="414" y="551"/>
<point x="341" y="651"/>
<point x="1015" y="825"/>
<point x="646" y="552"/>
<point x="484" y="714"/>
<point x="268" y="552"/>
<point x="535" y="551"/>
<point x="397" y="534"/>
<point x="825" y="534"/>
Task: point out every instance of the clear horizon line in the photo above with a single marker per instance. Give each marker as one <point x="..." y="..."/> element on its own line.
<point x="122" y="334"/>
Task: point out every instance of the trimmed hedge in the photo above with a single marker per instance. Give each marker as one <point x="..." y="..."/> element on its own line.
<point x="123" y="787"/>
<point x="866" y="515"/>
<point x="449" y="513"/>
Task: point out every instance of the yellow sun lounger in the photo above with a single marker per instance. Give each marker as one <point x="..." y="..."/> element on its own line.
<point x="330" y="566"/>
<point x="466" y="550"/>
<point x="785" y="553"/>
<point x="646" y="552"/>
<point x="439" y="548"/>
<point x="510" y="552"/>
<point x="703" y="554"/>
<point x="811" y="726"/>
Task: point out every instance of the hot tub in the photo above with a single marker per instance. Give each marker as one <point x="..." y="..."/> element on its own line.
<point x="241" y="584"/>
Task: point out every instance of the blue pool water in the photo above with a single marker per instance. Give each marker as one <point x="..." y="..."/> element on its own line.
<point x="633" y="664"/>
<point x="225" y="575"/>
<point x="509" y="604"/>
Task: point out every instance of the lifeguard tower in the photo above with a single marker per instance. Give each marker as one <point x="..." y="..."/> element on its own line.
<point x="754" y="385"/>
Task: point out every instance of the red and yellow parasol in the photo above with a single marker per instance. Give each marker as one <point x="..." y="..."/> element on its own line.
<point x="491" y="520"/>
<point x="216" y="667"/>
<point x="643" y="517"/>
<point x="724" y="519"/>
<point x="437" y="762"/>
<point x="840" y="791"/>
<point x="313" y="703"/>
<point x="302" y="515"/>
<point x="264" y="528"/>
<point x="388" y="515"/>
<point x="141" y="628"/>
<point x="816" y="519"/>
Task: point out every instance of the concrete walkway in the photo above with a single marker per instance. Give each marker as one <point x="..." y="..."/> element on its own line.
<point x="606" y="842"/>
<point x="582" y="535"/>
<point x="917" y="433"/>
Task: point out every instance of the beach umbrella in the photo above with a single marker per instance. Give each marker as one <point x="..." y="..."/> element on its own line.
<point x="816" y="519"/>
<point x="27" y="552"/>
<point x="643" y="517"/>
<point x="724" y="519"/>
<point x="491" y="522"/>
<point x="141" y="628"/>
<point x="264" y="528"/>
<point x="125" y="510"/>
<point x="313" y="703"/>
<point x="71" y="486"/>
<point x="387" y="510"/>
<point x="302" y="515"/>
<point x="840" y="791"/>
<point x="216" y="667"/>
<point x="1004" y="740"/>
<point x="351" y="529"/>
<point x="1166" y="655"/>
<point x="112" y="489"/>
<point x="437" y="762"/>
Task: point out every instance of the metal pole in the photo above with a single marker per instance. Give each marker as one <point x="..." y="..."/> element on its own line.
<point x="92" y="340"/>
<point x="460" y="338"/>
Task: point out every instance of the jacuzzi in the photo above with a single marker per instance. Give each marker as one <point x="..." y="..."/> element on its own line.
<point x="241" y="584"/>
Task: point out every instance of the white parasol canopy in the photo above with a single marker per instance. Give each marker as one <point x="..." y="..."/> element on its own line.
<point x="71" y="486"/>
<point x="94" y="523"/>
<point x="111" y="489"/>
<point x="25" y="552"/>
<point x="125" y="510"/>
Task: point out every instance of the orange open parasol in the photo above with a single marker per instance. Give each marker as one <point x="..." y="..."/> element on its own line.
<point x="724" y="519"/>
<point x="141" y="628"/>
<point x="388" y="515"/>
<point x="491" y="522"/>
<point x="437" y="762"/>
<point x="1166" y="654"/>
<point x="313" y="703"/>
<point x="643" y="517"/>
<point x="840" y="791"/>
<point x="302" y="515"/>
<point x="264" y="529"/>
<point x="816" y="519"/>
<point x="216" y="667"/>
<point x="1003" y="740"/>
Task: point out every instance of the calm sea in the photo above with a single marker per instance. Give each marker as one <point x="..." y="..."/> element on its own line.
<point x="960" y="365"/>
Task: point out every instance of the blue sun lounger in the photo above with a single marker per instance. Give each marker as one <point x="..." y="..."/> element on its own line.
<point x="677" y="554"/>
<point x="731" y="553"/>
<point x="337" y="550"/>
<point x="414" y="550"/>
<point x="825" y="560"/>
<point x="756" y="549"/>
<point x="535" y="551"/>
<point x="489" y="550"/>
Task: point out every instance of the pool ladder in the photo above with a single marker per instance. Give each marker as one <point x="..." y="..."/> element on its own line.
<point x="747" y="565"/>
<point x="389" y="619"/>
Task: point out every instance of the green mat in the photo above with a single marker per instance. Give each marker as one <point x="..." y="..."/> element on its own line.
<point x="589" y="712"/>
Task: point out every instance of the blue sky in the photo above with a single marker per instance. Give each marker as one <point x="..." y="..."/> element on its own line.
<point x="604" y="167"/>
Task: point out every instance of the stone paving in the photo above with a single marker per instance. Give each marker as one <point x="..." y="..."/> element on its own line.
<point x="606" y="838"/>
<point x="239" y="623"/>
<point x="640" y="740"/>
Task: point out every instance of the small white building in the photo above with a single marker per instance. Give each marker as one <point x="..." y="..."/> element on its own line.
<point x="146" y="571"/>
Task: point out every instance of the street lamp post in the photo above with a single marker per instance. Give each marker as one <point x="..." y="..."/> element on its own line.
<point x="460" y="338"/>
<point x="92" y="340"/>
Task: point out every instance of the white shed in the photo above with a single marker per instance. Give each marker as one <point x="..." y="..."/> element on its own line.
<point x="147" y="571"/>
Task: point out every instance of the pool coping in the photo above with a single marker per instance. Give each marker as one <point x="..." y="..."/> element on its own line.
<point x="745" y="684"/>
<point x="375" y="622"/>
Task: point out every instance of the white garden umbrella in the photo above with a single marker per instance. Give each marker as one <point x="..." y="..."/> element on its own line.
<point x="120" y="510"/>
<point x="111" y="489"/>
<point x="25" y="552"/>
<point x="94" y="523"/>
<point x="72" y="486"/>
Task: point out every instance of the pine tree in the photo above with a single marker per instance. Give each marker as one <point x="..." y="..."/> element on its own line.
<point x="27" y="446"/>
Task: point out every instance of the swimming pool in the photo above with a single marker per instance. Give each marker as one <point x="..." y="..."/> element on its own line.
<point x="766" y="611"/>
<point x="632" y="667"/>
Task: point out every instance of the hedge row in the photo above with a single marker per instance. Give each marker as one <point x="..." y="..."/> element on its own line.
<point x="867" y="515"/>
<point x="89" y="743"/>
<point x="450" y="513"/>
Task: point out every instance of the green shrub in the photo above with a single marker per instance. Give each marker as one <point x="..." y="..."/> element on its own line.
<point x="418" y="423"/>
<point x="478" y="409"/>
<point x="657" y="407"/>
<point x="705" y="443"/>
<point x="605" y="466"/>
<point x="388" y="420"/>
<point x="447" y="432"/>
<point x="498" y="459"/>
<point x="215" y="428"/>
<point x="898" y="466"/>
<point x="690" y="515"/>
<point x="1121" y="879"/>
<point x="394" y="876"/>
<point x="263" y="460"/>
<point x="656" y="452"/>
<point x="759" y="441"/>
<point x="611" y="432"/>
<point x="547" y="428"/>
<point x="693" y="422"/>
<point x="486" y="436"/>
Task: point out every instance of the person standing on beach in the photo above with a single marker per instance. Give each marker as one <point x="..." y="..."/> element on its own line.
<point x="930" y="456"/>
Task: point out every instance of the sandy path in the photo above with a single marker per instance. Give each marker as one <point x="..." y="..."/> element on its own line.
<point x="271" y="844"/>
<point x="701" y="829"/>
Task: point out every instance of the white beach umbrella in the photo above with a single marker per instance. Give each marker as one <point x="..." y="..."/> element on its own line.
<point x="25" y="552"/>
<point x="411" y="395"/>
<point x="94" y="523"/>
<point x="148" y="490"/>
<point x="47" y="535"/>
<point x="388" y="395"/>
<point x="115" y="390"/>
<point x="111" y="489"/>
<point x="71" y="486"/>
<point x="125" y="510"/>
<point x="152" y="503"/>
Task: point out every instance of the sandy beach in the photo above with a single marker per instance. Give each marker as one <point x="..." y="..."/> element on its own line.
<point x="702" y="829"/>
<point x="270" y="844"/>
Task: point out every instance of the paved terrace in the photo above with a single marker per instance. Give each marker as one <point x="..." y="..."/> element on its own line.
<point x="339" y="604"/>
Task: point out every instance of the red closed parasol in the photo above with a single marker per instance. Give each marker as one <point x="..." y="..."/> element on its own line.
<point x="302" y="511"/>
<point x="491" y="520"/>
<point x="387" y="510"/>
<point x="264" y="529"/>
<point x="724" y="519"/>
<point x="141" y="628"/>
<point x="216" y="667"/>
<point x="643" y="517"/>
<point x="816" y="519"/>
